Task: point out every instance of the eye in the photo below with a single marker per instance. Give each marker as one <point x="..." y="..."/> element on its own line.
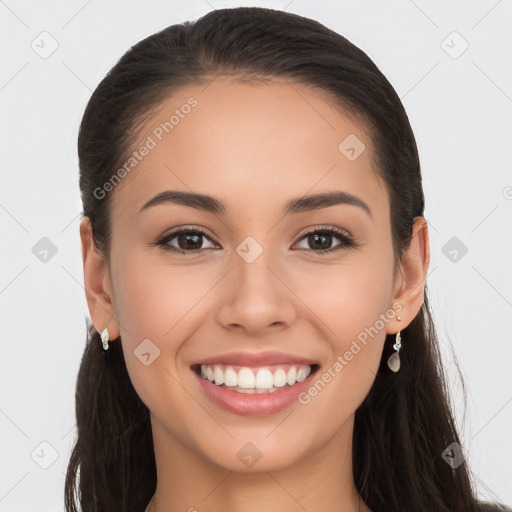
<point x="190" y="239"/>
<point x="322" y="236"/>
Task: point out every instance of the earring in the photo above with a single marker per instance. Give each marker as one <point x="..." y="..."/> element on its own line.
<point x="394" y="359"/>
<point x="104" y="339"/>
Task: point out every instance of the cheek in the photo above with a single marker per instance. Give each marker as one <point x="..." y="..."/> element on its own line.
<point x="351" y="308"/>
<point x="345" y="298"/>
<point x="156" y="302"/>
<point x="155" y="299"/>
<point x="351" y="302"/>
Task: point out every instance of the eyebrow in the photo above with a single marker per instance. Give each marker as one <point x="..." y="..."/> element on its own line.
<point x="210" y="204"/>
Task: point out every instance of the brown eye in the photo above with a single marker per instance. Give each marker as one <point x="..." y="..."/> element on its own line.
<point x="189" y="241"/>
<point x="320" y="240"/>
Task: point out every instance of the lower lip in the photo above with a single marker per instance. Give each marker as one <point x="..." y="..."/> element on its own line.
<point x="254" y="404"/>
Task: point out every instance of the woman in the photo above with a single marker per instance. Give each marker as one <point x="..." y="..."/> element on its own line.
<point x="255" y="255"/>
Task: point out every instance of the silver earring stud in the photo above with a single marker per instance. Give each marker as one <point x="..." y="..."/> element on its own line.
<point x="104" y="339"/>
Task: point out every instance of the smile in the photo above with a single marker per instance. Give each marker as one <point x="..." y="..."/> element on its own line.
<point x="254" y="390"/>
<point x="254" y="380"/>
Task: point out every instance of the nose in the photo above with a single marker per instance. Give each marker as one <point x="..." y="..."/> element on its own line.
<point x="257" y="297"/>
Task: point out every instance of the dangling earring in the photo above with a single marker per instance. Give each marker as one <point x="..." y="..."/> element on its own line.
<point x="394" y="359"/>
<point x="104" y="339"/>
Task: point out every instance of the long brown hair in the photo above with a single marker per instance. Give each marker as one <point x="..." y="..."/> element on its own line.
<point x="405" y="423"/>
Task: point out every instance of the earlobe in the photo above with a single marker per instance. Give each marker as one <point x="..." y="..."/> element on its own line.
<point x="413" y="266"/>
<point x="97" y="283"/>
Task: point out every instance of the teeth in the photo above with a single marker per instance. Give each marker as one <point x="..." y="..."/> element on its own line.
<point x="302" y="374"/>
<point x="246" y="379"/>
<point x="280" y="378"/>
<point x="230" y="377"/>
<point x="253" y="380"/>
<point x="290" y="376"/>
<point x="264" y="379"/>
<point x="255" y="391"/>
<point x="218" y="375"/>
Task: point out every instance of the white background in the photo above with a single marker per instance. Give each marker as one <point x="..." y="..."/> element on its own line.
<point x="460" y="110"/>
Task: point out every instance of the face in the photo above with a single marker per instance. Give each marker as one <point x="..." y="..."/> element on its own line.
<point x="249" y="277"/>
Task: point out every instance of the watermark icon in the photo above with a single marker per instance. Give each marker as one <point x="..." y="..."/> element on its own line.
<point x="45" y="45"/>
<point x="249" y="249"/>
<point x="44" y="455"/>
<point x="351" y="147"/>
<point x="453" y="455"/>
<point x="342" y="360"/>
<point x="44" y="250"/>
<point x="454" y="45"/>
<point x="151" y="142"/>
<point x="249" y="454"/>
<point x="454" y="249"/>
<point x="146" y="352"/>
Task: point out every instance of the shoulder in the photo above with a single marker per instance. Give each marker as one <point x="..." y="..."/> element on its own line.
<point x="493" y="507"/>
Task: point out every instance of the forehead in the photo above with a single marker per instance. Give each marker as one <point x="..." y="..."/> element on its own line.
<point x="248" y="143"/>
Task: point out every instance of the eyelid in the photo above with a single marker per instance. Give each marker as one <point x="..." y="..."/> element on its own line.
<point x="179" y="229"/>
<point x="335" y="229"/>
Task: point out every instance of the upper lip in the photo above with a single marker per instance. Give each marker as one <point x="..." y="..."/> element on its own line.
<point x="255" y="359"/>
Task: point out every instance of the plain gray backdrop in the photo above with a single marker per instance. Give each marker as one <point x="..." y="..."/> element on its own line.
<point x="450" y="64"/>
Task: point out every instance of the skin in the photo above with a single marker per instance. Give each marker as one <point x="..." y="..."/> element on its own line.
<point x="254" y="147"/>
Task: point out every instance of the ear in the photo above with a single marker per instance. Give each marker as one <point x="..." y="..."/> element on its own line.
<point x="411" y="275"/>
<point x="98" y="289"/>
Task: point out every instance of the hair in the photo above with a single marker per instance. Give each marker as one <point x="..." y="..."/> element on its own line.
<point x="405" y="423"/>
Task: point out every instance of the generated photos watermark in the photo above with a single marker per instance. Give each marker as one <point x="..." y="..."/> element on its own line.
<point x="149" y="144"/>
<point x="354" y="349"/>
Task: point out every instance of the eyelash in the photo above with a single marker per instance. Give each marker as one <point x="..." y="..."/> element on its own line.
<point x="348" y="241"/>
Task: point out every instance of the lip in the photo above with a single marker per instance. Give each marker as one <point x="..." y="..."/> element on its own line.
<point x="256" y="359"/>
<point x="262" y="404"/>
